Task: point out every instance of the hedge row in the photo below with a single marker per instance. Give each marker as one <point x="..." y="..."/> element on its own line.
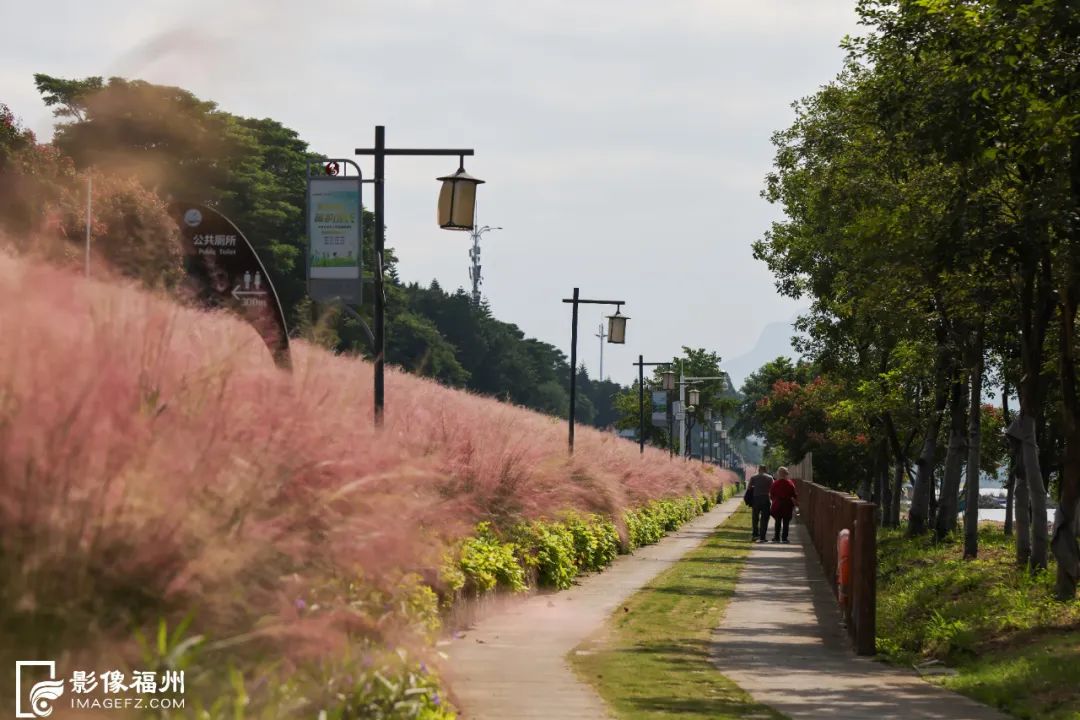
<point x="553" y="552"/>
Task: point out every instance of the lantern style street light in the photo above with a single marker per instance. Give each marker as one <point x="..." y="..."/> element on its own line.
<point x="575" y="301"/>
<point x="617" y="327"/>
<point x="694" y="396"/>
<point x="457" y="199"/>
<point x="456" y="211"/>
<point x="668" y="380"/>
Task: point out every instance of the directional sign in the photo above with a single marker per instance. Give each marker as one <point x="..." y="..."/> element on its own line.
<point x="225" y="272"/>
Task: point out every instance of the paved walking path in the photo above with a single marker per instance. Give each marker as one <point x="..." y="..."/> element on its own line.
<point x="512" y="665"/>
<point x="781" y="641"/>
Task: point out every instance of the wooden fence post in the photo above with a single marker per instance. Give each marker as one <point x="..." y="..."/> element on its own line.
<point x="864" y="579"/>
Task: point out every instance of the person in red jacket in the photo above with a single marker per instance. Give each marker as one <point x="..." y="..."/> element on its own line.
<point x="784" y="498"/>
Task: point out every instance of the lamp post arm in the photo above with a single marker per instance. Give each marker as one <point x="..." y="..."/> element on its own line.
<point x="416" y="152"/>
<point x="581" y="301"/>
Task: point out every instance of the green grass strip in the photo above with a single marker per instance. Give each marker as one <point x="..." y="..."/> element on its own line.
<point x="652" y="658"/>
<point x="1014" y="647"/>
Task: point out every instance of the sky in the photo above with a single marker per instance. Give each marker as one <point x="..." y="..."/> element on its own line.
<point x="624" y="143"/>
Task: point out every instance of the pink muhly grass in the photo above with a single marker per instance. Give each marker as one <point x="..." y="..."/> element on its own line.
<point x="154" y="461"/>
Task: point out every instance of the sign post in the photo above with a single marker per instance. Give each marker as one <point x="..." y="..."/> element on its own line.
<point x="224" y="271"/>
<point x="659" y="408"/>
<point x="335" y="232"/>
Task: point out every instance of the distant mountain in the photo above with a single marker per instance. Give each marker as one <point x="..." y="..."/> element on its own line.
<point x="775" y="340"/>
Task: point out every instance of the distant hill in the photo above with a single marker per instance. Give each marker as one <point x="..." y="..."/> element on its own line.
<point x="775" y="340"/>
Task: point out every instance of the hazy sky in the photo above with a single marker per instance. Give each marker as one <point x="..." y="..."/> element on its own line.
<point x="624" y="142"/>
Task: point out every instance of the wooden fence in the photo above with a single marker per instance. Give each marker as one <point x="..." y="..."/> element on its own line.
<point x="825" y="513"/>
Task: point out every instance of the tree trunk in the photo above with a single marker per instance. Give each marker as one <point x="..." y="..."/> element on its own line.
<point x="1010" y="498"/>
<point x="954" y="459"/>
<point x="880" y="490"/>
<point x="884" y="498"/>
<point x="1066" y="527"/>
<point x="897" y="493"/>
<point x="892" y="511"/>
<point x="1036" y="309"/>
<point x="1010" y="482"/>
<point x="919" y="513"/>
<point x="1065" y="519"/>
<point x="1023" y="512"/>
<point x="1022" y="432"/>
<point x="971" y="504"/>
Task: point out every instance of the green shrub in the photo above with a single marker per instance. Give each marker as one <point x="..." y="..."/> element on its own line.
<point x="607" y="541"/>
<point x="487" y="563"/>
<point x="451" y="576"/>
<point x="548" y="547"/>
<point x="586" y="542"/>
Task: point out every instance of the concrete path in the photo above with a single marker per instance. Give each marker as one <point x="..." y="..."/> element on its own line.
<point x="512" y="664"/>
<point x="782" y="642"/>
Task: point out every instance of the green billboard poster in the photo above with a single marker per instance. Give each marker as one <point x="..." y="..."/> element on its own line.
<point x="334" y="238"/>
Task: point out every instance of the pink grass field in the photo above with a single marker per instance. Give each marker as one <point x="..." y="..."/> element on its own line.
<point x="154" y="462"/>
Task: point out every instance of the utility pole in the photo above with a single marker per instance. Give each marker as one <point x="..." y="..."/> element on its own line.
<point x="474" y="256"/>
<point x="602" y="334"/>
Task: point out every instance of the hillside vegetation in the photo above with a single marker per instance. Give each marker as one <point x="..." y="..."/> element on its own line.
<point x="1013" y="646"/>
<point x="158" y="474"/>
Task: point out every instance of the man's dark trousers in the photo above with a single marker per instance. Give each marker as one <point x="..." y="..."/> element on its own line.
<point x="761" y="520"/>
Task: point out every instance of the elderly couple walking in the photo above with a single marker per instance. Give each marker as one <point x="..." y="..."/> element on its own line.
<point x="777" y="498"/>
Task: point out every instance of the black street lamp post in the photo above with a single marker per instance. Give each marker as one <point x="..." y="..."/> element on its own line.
<point x="616" y="335"/>
<point x="641" y="364"/>
<point x="456" y="211"/>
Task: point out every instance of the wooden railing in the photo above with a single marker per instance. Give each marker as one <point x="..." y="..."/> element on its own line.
<point x="825" y="513"/>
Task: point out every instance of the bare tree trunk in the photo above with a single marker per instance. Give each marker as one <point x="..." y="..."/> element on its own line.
<point x="1010" y="499"/>
<point x="884" y="494"/>
<point x="919" y="514"/>
<point x="954" y="459"/>
<point x="897" y="492"/>
<point x="1010" y="482"/>
<point x="1066" y="526"/>
<point x="1036" y="309"/>
<point x="1023" y="513"/>
<point x="1064" y="544"/>
<point x="971" y="504"/>
<point x="893" y="506"/>
<point x="1022" y="432"/>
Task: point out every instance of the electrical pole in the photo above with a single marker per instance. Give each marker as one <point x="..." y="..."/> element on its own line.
<point x="474" y="256"/>
<point x="602" y="334"/>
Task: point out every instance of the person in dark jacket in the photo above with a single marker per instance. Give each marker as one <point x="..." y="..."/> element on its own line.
<point x="759" y="501"/>
<point x="784" y="498"/>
